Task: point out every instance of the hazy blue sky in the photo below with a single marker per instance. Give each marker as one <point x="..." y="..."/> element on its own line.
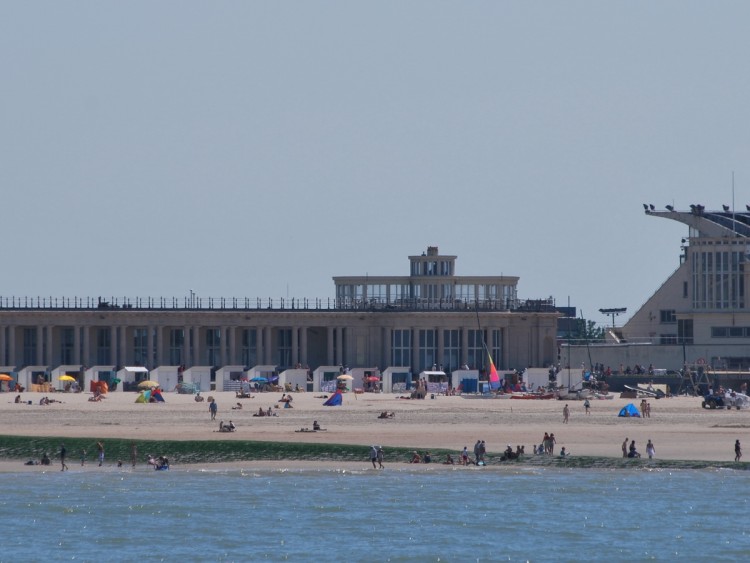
<point x="259" y="148"/>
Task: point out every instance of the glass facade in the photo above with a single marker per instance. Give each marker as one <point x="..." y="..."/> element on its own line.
<point x="717" y="274"/>
<point x="177" y="347"/>
<point x="427" y="349"/>
<point x="451" y="350"/>
<point x="67" y="346"/>
<point x="140" y="346"/>
<point x="29" y="346"/>
<point x="104" y="346"/>
<point x="213" y="346"/>
<point x="284" y="348"/>
<point x="401" y="347"/>
<point x="250" y="347"/>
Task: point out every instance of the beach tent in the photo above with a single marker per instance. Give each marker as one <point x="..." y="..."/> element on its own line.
<point x="156" y="394"/>
<point x="143" y="397"/>
<point x="334" y="400"/>
<point x="629" y="410"/>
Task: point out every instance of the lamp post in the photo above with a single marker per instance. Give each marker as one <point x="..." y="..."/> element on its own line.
<point x="614" y="313"/>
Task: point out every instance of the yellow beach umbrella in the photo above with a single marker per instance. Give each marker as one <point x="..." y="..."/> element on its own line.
<point x="66" y="378"/>
<point x="345" y="376"/>
<point x="5" y="377"/>
<point x="147" y="384"/>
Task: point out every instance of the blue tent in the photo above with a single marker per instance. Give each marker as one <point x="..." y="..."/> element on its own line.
<point x="629" y="410"/>
<point x="334" y="400"/>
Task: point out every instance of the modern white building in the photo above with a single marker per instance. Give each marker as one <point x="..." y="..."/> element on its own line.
<point x="700" y="315"/>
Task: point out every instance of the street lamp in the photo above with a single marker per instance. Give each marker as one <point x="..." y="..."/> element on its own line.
<point x="613" y="312"/>
<point x="192" y="298"/>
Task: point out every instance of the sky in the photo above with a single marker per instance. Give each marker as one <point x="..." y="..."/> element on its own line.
<point x="257" y="149"/>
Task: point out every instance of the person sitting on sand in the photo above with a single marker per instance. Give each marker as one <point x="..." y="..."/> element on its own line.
<point x="238" y="407"/>
<point x="198" y="398"/>
<point x="316" y="426"/>
<point x="150" y="460"/>
<point x="427" y="458"/>
<point x="18" y="399"/>
<point x="45" y="459"/>
<point x="416" y="458"/>
<point x="563" y="453"/>
<point x="448" y="460"/>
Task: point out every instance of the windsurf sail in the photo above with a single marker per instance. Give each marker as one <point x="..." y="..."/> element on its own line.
<point x="494" y="377"/>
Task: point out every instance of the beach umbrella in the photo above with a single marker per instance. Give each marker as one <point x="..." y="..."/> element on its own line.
<point x="66" y="378"/>
<point x="147" y="384"/>
<point x="5" y="377"/>
<point x="260" y="379"/>
<point x="345" y="376"/>
<point x="373" y="378"/>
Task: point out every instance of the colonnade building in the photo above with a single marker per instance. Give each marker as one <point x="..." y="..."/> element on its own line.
<point x="430" y="317"/>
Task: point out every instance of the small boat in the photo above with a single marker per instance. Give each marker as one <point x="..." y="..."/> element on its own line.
<point x="533" y="396"/>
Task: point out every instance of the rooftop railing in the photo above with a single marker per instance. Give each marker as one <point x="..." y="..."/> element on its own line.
<point x="195" y="303"/>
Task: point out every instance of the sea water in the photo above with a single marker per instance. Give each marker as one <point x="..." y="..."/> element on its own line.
<point x="389" y="515"/>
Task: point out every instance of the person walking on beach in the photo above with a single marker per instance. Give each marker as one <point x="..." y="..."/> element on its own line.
<point x="476" y="451"/>
<point x="83" y="458"/>
<point x="650" y="449"/>
<point x="737" y="451"/>
<point x="133" y="453"/>
<point x="380" y="457"/>
<point x="566" y="414"/>
<point x="587" y="406"/>
<point x="100" y="450"/>
<point x="64" y="452"/>
<point x="374" y="456"/>
<point x="213" y="408"/>
<point x="625" y="448"/>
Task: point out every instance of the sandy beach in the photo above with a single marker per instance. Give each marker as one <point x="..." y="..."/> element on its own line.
<point x="679" y="427"/>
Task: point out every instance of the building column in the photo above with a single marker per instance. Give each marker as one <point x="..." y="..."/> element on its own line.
<point x="330" y="331"/>
<point x="86" y="359"/>
<point x="303" y="346"/>
<point x="415" y="350"/>
<point x="125" y="358"/>
<point x="113" y="346"/>
<point x="295" y="346"/>
<point x="465" y="347"/>
<point x="267" y="345"/>
<point x="259" y="348"/>
<point x="223" y="345"/>
<point x="150" y="329"/>
<point x="187" y="345"/>
<point x="12" y="346"/>
<point x="49" y="346"/>
<point x="387" y="348"/>
<point x="233" y="346"/>
<point x="440" y="347"/>
<point x="77" y="345"/>
<point x="339" y="346"/>
<point x="160" y="348"/>
<point x="2" y="346"/>
<point x="39" y="344"/>
<point x="197" y="347"/>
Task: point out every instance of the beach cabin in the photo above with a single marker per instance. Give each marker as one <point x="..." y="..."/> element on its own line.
<point x="228" y="378"/>
<point x="291" y="379"/>
<point x="98" y="373"/>
<point x="200" y="376"/>
<point x="324" y="379"/>
<point x="35" y="378"/>
<point x="130" y="377"/>
<point x="534" y="378"/>
<point x="260" y="373"/>
<point x="66" y="372"/>
<point x="367" y="379"/>
<point x="466" y="379"/>
<point x="437" y="381"/>
<point x="166" y="376"/>
<point x="396" y="380"/>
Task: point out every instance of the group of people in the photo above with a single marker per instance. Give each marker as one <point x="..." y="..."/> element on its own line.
<point x="286" y="400"/>
<point x="632" y="452"/>
<point x="268" y="412"/>
<point x="227" y="427"/>
<point x="547" y="446"/>
<point x="645" y="408"/>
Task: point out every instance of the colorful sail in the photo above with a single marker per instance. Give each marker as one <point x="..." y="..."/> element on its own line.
<point x="494" y="377"/>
